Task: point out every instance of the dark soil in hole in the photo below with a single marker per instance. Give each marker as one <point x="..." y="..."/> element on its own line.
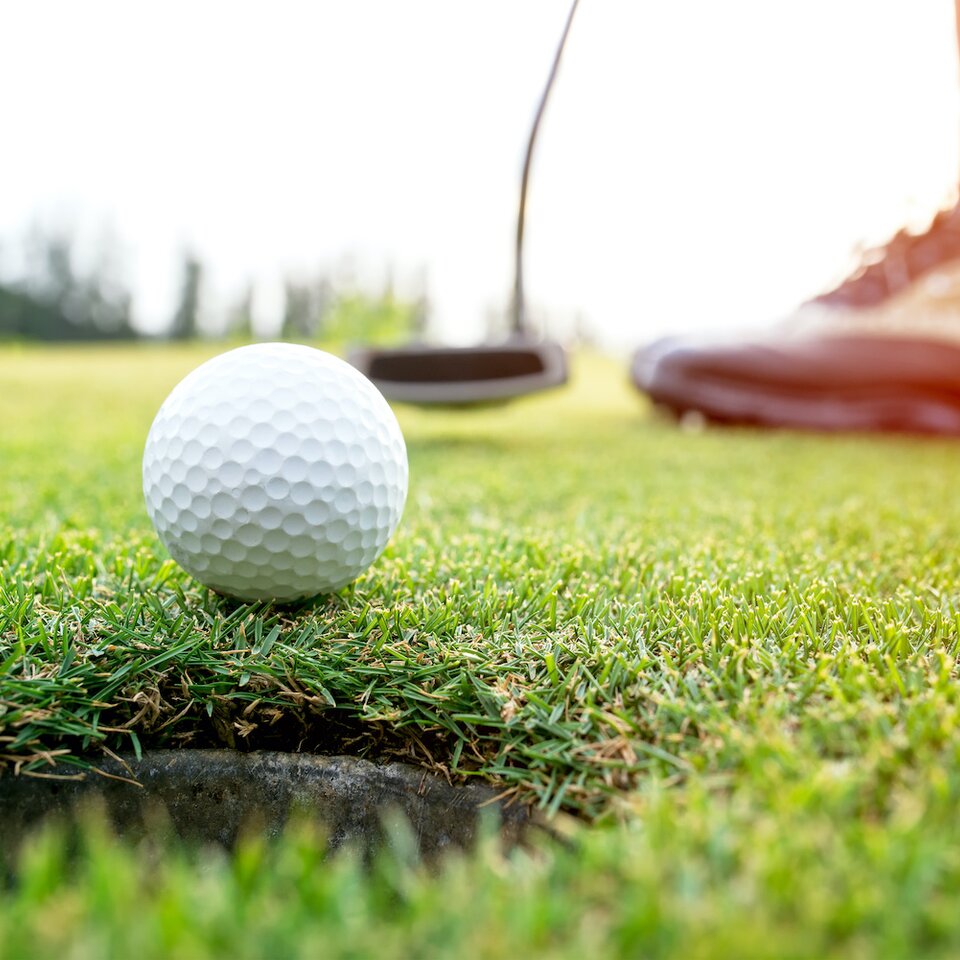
<point x="213" y="796"/>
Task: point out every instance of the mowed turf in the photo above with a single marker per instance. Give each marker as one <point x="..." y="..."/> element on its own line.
<point x="741" y="645"/>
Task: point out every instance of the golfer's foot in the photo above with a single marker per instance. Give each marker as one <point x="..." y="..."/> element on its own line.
<point x="879" y="352"/>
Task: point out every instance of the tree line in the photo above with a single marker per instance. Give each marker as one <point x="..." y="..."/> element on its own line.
<point x="56" y="301"/>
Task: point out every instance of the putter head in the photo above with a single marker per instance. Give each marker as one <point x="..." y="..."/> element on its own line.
<point x="461" y="376"/>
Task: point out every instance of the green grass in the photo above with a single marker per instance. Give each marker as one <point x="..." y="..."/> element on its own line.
<point x="734" y="652"/>
<point x="696" y="873"/>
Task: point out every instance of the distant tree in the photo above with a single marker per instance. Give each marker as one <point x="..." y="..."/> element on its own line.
<point x="383" y="320"/>
<point x="53" y="302"/>
<point x="305" y="306"/>
<point x="420" y="318"/>
<point x="57" y="277"/>
<point x="240" y="315"/>
<point x="298" y="319"/>
<point x="24" y="316"/>
<point x="109" y="302"/>
<point x="186" y="320"/>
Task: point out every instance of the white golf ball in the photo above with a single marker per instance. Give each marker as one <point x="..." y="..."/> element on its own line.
<point x="275" y="471"/>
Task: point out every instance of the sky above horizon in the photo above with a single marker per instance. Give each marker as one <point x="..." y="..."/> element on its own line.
<point x="701" y="166"/>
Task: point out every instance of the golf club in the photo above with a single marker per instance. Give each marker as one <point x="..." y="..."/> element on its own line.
<point x="486" y="373"/>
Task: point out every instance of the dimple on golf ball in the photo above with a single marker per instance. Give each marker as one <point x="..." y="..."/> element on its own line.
<point x="275" y="471"/>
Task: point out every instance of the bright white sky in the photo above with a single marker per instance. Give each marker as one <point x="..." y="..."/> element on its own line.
<point x="703" y="164"/>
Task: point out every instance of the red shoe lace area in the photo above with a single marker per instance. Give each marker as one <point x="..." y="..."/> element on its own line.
<point x="889" y="269"/>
